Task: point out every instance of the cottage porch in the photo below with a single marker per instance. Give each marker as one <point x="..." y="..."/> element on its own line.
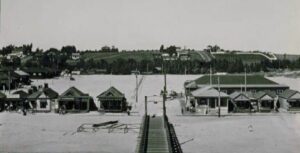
<point x="74" y="104"/>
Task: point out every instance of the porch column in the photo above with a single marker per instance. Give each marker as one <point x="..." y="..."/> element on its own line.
<point x="208" y="100"/>
<point x="88" y="104"/>
<point x="196" y="104"/>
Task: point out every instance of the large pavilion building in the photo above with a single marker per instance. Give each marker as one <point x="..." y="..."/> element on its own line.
<point x="230" y="83"/>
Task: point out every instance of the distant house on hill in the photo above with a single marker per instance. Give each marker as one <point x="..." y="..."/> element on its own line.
<point x="75" y="56"/>
<point x="206" y="101"/>
<point x="74" y="100"/>
<point x="230" y="83"/>
<point x="112" y="100"/>
<point x="290" y="100"/>
<point x="43" y="100"/>
<point x="2" y="101"/>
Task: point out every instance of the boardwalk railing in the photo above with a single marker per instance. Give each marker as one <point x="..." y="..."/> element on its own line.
<point x="157" y="141"/>
<point x="172" y="138"/>
<point x="142" y="146"/>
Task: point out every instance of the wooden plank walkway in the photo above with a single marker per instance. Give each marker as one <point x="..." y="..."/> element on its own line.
<point x="157" y="136"/>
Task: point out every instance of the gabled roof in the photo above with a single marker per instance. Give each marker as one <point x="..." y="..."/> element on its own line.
<point x="47" y="91"/>
<point x="2" y="95"/>
<point x="288" y="93"/>
<point x="73" y="92"/>
<point x="208" y="91"/>
<point x="261" y="94"/>
<point x="111" y="92"/>
<point x="235" y="79"/>
<point x="237" y="94"/>
<point x="50" y="92"/>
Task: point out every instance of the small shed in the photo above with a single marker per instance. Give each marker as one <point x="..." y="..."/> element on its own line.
<point x="43" y="99"/>
<point x="290" y="100"/>
<point x="74" y="100"/>
<point x="112" y="100"/>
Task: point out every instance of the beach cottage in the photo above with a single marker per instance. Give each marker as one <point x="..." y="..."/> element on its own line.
<point x="242" y="102"/>
<point x="112" y="100"/>
<point x="205" y="101"/>
<point x="43" y="100"/>
<point x="74" y="100"/>
<point x="266" y="100"/>
<point x="290" y="100"/>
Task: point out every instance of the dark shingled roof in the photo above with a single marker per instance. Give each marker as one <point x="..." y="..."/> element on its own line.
<point x="112" y="92"/>
<point x="288" y="93"/>
<point x="235" y="79"/>
<point x="47" y="91"/>
<point x="73" y="92"/>
<point x="260" y="94"/>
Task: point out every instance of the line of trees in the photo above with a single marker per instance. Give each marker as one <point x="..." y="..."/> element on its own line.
<point x="58" y="59"/>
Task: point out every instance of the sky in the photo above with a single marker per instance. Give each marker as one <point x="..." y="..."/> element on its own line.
<point x="266" y="25"/>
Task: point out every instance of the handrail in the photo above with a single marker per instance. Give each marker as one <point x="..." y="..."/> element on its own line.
<point x="174" y="144"/>
<point x="144" y="136"/>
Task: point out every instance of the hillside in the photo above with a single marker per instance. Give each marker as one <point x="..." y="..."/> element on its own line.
<point x="112" y="56"/>
<point x="245" y="57"/>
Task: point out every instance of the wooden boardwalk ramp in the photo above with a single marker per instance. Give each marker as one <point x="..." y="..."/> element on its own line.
<point x="157" y="135"/>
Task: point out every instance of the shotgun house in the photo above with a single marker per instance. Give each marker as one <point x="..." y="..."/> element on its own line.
<point x="2" y="101"/>
<point x="205" y="101"/>
<point x="43" y="100"/>
<point x="266" y="100"/>
<point x="112" y="100"/>
<point x="73" y="100"/>
<point x="290" y="100"/>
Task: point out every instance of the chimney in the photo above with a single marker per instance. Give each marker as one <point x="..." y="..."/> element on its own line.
<point x="46" y="85"/>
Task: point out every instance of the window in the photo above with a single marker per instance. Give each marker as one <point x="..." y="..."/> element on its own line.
<point x="223" y="102"/>
<point x="43" y="104"/>
<point x="279" y="91"/>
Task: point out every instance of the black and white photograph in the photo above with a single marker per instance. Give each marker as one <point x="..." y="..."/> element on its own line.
<point x="149" y="76"/>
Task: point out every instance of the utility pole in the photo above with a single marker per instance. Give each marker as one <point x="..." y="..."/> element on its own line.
<point x="164" y="94"/>
<point x="146" y="106"/>
<point x="210" y="76"/>
<point x="245" y="79"/>
<point x="9" y="81"/>
<point x="219" y="100"/>
<point x="136" y="88"/>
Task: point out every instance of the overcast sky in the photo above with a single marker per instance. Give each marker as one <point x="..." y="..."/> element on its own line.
<point x="267" y="25"/>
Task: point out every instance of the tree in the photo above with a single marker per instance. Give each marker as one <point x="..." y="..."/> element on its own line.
<point x="161" y="49"/>
<point x="27" y="49"/>
<point x="7" y="50"/>
<point x="68" y="50"/>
